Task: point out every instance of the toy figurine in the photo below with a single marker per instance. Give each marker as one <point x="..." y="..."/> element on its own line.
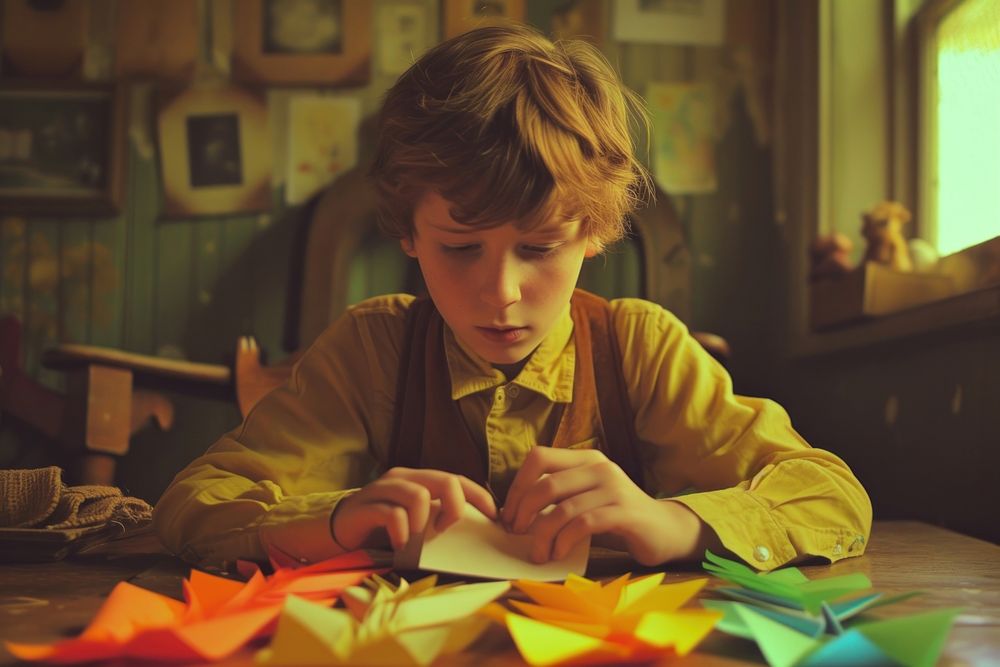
<point x="883" y="231"/>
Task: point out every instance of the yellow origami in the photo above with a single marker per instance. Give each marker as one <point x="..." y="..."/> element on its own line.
<point x="383" y="624"/>
<point x="625" y="620"/>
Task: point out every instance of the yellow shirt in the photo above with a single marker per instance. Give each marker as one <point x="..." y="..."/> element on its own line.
<point x="274" y="481"/>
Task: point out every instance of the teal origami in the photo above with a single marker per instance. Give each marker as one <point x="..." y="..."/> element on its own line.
<point x="800" y="622"/>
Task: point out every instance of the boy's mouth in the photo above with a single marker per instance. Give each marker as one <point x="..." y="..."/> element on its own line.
<point x="502" y="334"/>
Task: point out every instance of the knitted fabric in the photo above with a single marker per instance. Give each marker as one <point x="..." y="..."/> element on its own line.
<point x="38" y="499"/>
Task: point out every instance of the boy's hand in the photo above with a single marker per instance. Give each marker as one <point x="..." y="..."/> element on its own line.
<point x="593" y="496"/>
<point x="399" y="503"/>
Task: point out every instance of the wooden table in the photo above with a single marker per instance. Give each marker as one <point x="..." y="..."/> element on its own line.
<point x="46" y="601"/>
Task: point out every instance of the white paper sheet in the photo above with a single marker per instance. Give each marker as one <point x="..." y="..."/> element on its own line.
<point x="475" y="546"/>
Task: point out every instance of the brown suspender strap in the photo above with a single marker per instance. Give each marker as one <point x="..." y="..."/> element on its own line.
<point x="599" y="391"/>
<point x="426" y="414"/>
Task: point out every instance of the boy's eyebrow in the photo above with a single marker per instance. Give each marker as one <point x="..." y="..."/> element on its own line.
<point x="454" y="230"/>
<point x="547" y="228"/>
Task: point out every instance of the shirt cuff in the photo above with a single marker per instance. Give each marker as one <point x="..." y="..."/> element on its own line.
<point x="299" y="526"/>
<point x="744" y="526"/>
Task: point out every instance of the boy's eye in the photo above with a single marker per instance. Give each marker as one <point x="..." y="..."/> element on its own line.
<point x="541" y="250"/>
<point x="460" y="248"/>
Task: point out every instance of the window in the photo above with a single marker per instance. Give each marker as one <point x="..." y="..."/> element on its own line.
<point x="960" y="135"/>
<point x="856" y="82"/>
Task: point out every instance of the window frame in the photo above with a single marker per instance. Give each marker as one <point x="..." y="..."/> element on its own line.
<point x="807" y="150"/>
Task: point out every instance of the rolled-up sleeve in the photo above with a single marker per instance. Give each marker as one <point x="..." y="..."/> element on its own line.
<point x="734" y="460"/>
<point x="275" y="480"/>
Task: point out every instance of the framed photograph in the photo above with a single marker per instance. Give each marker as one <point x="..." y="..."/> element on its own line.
<point x="580" y="19"/>
<point x="463" y="15"/>
<point x="214" y="151"/>
<point x="41" y="38"/>
<point x="61" y="149"/>
<point x="669" y="21"/>
<point x="157" y="40"/>
<point x="409" y="28"/>
<point x="296" y="42"/>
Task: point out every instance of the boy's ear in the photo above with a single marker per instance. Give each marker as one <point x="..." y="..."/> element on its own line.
<point x="406" y="243"/>
<point x="594" y="248"/>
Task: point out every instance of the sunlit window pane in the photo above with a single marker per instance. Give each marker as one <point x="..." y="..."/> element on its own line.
<point x="968" y="132"/>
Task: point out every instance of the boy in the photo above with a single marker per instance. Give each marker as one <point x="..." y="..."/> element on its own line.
<point x="503" y="162"/>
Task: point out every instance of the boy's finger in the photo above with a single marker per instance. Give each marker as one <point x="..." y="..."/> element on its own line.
<point x="414" y="498"/>
<point x="541" y="461"/>
<point x="550" y="524"/>
<point x="593" y="522"/>
<point x="479" y="497"/>
<point x="453" y="491"/>
<point x="397" y="525"/>
<point x="550" y="490"/>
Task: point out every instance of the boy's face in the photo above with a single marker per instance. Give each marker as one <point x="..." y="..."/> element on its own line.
<point x="500" y="289"/>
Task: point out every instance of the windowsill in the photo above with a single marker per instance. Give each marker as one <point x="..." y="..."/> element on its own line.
<point x="972" y="309"/>
<point x="975" y="284"/>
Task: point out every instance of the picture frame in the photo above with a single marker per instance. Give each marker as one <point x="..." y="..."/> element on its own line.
<point x="464" y="15"/>
<point x="62" y="148"/>
<point x="60" y="53"/>
<point x="412" y="33"/>
<point x="694" y="22"/>
<point x="215" y="151"/>
<point x="580" y="19"/>
<point x="157" y="40"/>
<point x="303" y="42"/>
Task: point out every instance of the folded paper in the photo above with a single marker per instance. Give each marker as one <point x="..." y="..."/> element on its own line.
<point x="798" y="622"/>
<point x="382" y="624"/>
<point x="475" y="546"/>
<point x="217" y="618"/>
<point x="625" y="620"/>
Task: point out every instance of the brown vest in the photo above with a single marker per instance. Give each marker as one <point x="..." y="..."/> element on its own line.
<point x="430" y="432"/>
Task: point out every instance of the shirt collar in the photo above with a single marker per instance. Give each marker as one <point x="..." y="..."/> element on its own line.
<point x="548" y="372"/>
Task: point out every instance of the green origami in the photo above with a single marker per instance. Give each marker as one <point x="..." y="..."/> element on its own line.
<point x="798" y="622"/>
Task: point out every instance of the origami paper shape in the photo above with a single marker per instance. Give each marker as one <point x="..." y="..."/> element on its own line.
<point x="625" y="620"/>
<point x="383" y="624"/>
<point x="475" y="546"/>
<point x="797" y="621"/>
<point x="218" y="617"/>
<point x="915" y="640"/>
<point x="786" y="587"/>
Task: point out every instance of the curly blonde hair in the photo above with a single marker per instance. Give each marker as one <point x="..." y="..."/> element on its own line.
<point x="509" y="126"/>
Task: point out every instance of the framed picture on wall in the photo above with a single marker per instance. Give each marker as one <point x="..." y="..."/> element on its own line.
<point x="214" y="151"/>
<point x="670" y="21"/>
<point x="157" y="40"/>
<point x="411" y="34"/>
<point x="60" y="50"/>
<point x="580" y="19"/>
<point x="463" y="15"/>
<point x="61" y="149"/>
<point x="296" y="42"/>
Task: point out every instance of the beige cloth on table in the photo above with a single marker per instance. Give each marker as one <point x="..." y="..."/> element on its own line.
<point x="38" y="498"/>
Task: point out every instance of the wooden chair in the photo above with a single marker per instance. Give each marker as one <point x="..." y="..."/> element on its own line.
<point x="344" y="216"/>
<point x="110" y="395"/>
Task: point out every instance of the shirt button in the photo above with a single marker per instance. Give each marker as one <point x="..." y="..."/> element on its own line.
<point x="837" y="549"/>
<point x="761" y="553"/>
<point x="513" y="390"/>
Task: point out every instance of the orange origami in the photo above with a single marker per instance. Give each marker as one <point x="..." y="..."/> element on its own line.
<point x="218" y="617"/>
<point x="625" y="620"/>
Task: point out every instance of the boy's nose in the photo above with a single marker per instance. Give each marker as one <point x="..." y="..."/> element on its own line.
<point x="502" y="286"/>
